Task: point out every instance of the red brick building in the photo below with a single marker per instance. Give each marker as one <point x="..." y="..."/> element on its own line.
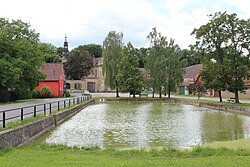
<point x="54" y="78"/>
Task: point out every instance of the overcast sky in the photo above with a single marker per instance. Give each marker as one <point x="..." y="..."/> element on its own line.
<point x="89" y="21"/>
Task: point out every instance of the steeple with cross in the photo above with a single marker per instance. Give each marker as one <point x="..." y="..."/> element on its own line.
<point x="65" y="52"/>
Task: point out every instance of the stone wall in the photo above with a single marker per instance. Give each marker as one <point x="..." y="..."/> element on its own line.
<point x="26" y="133"/>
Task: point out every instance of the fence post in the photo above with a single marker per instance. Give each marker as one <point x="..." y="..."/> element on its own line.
<point x="50" y="108"/>
<point x="4" y="119"/>
<point x="64" y="104"/>
<point x="73" y="101"/>
<point x="69" y="102"/>
<point x="21" y="114"/>
<point x="44" y="109"/>
<point x="58" y="105"/>
<point x="34" y="111"/>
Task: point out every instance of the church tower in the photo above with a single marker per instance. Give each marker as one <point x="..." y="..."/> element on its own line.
<point x="65" y="53"/>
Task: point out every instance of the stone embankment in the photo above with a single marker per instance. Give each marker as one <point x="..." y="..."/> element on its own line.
<point x="25" y="134"/>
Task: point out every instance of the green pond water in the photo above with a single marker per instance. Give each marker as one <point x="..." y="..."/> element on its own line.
<point x="143" y="125"/>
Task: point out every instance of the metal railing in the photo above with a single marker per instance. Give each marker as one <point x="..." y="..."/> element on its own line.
<point x="46" y="108"/>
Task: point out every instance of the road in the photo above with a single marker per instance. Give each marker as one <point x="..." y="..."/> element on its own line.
<point x="14" y="110"/>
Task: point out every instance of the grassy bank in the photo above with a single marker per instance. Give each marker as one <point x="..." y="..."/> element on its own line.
<point x="50" y="156"/>
<point x="234" y="144"/>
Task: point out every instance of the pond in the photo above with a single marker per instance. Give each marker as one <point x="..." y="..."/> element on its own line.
<point x="136" y="125"/>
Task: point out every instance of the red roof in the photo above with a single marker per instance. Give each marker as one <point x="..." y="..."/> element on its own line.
<point x="193" y="70"/>
<point x="52" y="71"/>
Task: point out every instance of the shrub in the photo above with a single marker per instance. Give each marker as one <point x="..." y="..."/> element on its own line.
<point x="4" y="95"/>
<point x="45" y="92"/>
<point x="36" y="94"/>
<point x="66" y="93"/>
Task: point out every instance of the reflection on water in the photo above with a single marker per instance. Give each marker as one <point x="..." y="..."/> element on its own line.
<point x="122" y="125"/>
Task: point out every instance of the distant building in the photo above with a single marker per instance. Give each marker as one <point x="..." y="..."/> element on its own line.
<point x="94" y="82"/>
<point x="192" y="73"/>
<point x="54" y="78"/>
<point x="65" y="53"/>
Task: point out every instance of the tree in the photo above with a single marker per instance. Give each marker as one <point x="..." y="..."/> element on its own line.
<point x="78" y="64"/>
<point x="154" y="60"/>
<point x="193" y="57"/>
<point x="111" y="51"/>
<point x="19" y="59"/>
<point x="174" y="66"/>
<point x="141" y="53"/>
<point x="50" y="53"/>
<point x="222" y="41"/>
<point x="93" y="49"/>
<point x="129" y="76"/>
<point x="164" y="63"/>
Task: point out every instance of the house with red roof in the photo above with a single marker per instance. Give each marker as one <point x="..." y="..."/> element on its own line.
<point x="54" y="78"/>
<point x="192" y="73"/>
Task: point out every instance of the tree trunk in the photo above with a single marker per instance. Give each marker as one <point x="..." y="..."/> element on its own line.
<point x="236" y="97"/>
<point x="153" y="95"/>
<point x="134" y="95"/>
<point x="168" y="90"/>
<point x="117" y="92"/>
<point x="160" y="93"/>
<point x="220" y="96"/>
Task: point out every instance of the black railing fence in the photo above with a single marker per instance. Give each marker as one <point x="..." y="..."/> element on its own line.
<point x="45" y="108"/>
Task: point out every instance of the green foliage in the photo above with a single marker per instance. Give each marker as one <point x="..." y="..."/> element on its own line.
<point x="164" y="63"/>
<point x="224" y="41"/>
<point x="192" y="57"/>
<point x="112" y="51"/>
<point x="50" y="53"/>
<point x="66" y="93"/>
<point x="45" y="92"/>
<point x="142" y="54"/>
<point x="93" y="49"/>
<point x="129" y="76"/>
<point x="36" y="94"/>
<point x="4" y="95"/>
<point x="78" y="64"/>
<point x="19" y="58"/>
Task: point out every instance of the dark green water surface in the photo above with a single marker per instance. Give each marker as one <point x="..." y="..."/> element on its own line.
<point x="134" y="125"/>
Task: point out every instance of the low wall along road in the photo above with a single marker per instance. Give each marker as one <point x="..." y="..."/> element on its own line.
<point x="27" y="133"/>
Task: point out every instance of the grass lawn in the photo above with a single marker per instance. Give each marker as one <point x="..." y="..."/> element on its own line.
<point x="44" y="155"/>
<point x="234" y="144"/>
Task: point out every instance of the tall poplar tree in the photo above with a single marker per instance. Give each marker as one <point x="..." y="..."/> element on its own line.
<point x="111" y="51"/>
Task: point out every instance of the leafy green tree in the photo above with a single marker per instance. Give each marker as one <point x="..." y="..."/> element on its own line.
<point x="112" y="51"/>
<point x="78" y="64"/>
<point x="50" y="53"/>
<point x="94" y="49"/>
<point x="223" y="41"/>
<point x="154" y="61"/>
<point x="164" y="63"/>
<point x="129" y="76"/>
<point x="193" y="57"/>
<point x="142" y="53"/>
<point x="19" y="59"/>
<point x="174" y="66"/>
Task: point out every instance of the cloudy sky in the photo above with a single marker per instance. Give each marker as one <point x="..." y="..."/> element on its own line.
<point x="89" y="21"/>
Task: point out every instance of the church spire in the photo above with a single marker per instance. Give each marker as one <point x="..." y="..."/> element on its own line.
<point x="65" y="52"/>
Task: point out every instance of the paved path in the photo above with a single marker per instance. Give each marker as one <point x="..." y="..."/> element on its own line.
<point x="14" y="110"/>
